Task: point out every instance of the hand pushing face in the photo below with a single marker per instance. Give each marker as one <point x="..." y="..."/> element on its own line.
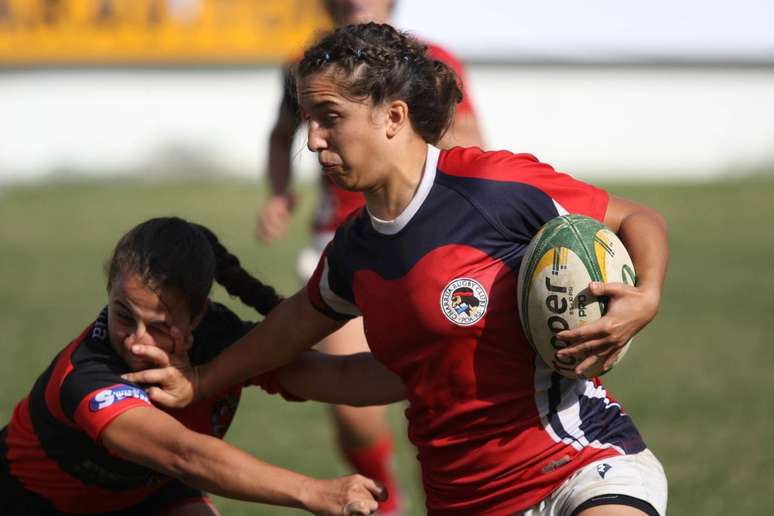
<point x="139" y="315"/>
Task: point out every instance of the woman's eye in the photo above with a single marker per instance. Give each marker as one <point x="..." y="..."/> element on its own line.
<point x="125" y="318"/>
<point x="330" y="119"/>
<point x="158" y="330"/>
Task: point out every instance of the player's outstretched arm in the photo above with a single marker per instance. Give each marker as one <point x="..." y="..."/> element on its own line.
<point x="156" y="440"/>
<point x="357" y="379"/>
<point x="644" y="233"/>
<point x="292" y="327"/>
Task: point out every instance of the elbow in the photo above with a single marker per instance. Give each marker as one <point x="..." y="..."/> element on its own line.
<point x="643" y="214"/>
<point x="658" y="219"/>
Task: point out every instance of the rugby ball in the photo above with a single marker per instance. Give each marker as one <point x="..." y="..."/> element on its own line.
<point x="567" y="254"/>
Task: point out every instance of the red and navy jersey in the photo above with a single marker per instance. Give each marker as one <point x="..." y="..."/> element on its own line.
<point x="495" y="428"/>
<point x="51" y="447"/>
<point x="336" y="204"/>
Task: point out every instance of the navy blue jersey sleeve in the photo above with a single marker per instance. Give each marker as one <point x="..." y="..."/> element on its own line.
<point x="330" y="287"/>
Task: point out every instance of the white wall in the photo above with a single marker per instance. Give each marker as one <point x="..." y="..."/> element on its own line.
<point x="627" y="122"/>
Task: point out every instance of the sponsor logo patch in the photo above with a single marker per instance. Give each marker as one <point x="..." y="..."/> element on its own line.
<point x="113" y="395"/>
<point x="464" y="301"/>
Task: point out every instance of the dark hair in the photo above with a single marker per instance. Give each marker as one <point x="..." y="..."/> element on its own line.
<point x="377" y="61"/>
<point x="169" y="252"/>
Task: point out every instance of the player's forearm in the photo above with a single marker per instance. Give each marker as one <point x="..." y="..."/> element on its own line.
<point x="214" y="466"/>
<point x="280" y="142"/>
<point x="357" y="379"/>
<point x="644" y="233"/>
<point x="271" y="344"/>
<point x="154" y="439"/>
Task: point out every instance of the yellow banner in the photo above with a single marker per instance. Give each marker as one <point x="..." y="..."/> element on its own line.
<point x="155" y="32"/>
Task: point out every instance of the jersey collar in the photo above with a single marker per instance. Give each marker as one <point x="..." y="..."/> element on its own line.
<point x="391" y="227"/>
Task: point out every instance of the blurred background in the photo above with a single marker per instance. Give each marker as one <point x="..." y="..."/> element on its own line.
<point x="113" y="111"/>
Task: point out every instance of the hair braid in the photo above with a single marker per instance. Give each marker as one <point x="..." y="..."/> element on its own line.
<point x="237" y="281"/>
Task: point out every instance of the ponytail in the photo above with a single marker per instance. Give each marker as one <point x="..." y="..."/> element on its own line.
<point x="237" y="281"/>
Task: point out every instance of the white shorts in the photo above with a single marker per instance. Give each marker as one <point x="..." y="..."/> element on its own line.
<point x="310" y="255"/>
<point x="634" y="478"/>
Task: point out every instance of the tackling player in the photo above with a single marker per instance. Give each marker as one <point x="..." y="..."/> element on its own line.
<point x="87" y="441"/>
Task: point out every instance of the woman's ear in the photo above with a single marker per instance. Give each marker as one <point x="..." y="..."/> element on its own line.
<point x="397" y="117"/>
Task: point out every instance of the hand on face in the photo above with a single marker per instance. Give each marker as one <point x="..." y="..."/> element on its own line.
<point x="174" y="383"/>
<point x="630" y="309"/>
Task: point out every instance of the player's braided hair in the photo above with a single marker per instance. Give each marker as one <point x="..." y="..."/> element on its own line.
<point x="377" y="61"/>
<point x="237" y="281"/>
<point x="169" y="252"/>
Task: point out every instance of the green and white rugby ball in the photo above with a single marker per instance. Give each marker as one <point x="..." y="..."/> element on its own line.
<point x="567" y="254"/>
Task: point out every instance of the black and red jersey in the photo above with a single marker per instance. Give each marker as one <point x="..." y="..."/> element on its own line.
<point x="495" y="428"/>
<point x="51" y="447"/>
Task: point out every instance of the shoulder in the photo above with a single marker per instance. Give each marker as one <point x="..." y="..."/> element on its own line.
<point x="504" y="182"/>
<point x="499" y="165"/>
<point x="93" y="355"/>
<point x="84" y="375"/>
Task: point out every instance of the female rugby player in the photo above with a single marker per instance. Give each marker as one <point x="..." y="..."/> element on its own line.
<point x="498" y="432"/>
<point x="87" y="441"/>
<point x="363" y="432"/>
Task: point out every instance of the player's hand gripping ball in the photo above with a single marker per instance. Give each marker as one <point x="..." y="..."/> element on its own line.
<point x="567" y="254"/>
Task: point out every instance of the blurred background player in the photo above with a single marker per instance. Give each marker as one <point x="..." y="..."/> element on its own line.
<point x="86" y="441"/>
<point x="363" y="432"/>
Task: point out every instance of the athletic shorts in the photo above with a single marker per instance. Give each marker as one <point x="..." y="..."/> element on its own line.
<point x="310" y="255"/>
<point x="637" y="480"/>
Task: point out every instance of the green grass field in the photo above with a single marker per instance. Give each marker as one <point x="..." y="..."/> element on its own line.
<point x="695" y="381"/>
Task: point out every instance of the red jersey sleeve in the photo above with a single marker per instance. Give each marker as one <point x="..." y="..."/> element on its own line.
<point x="99" y="407"/>
<point x="569" y="195"/>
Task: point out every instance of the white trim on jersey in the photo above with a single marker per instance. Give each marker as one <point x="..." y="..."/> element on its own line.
<point x="391" y="227"/>
<point x="567" y="411"/>
<point x="337" y="304"/>
<point x="559" y="208"/>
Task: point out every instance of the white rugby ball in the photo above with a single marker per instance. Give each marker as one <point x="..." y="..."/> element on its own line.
<point x="567" y="254"/>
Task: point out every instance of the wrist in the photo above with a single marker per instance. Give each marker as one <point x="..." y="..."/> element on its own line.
<point x="651" y="297"/>
<point x="305" y="493"/>
<point x="286" y="197"/>
<point x="279" y="205"/>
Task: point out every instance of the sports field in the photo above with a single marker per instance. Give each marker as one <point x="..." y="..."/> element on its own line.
<point x="697" y="381"/>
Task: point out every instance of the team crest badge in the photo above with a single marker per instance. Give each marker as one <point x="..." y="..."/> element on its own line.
<point x="464" y="301"/>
